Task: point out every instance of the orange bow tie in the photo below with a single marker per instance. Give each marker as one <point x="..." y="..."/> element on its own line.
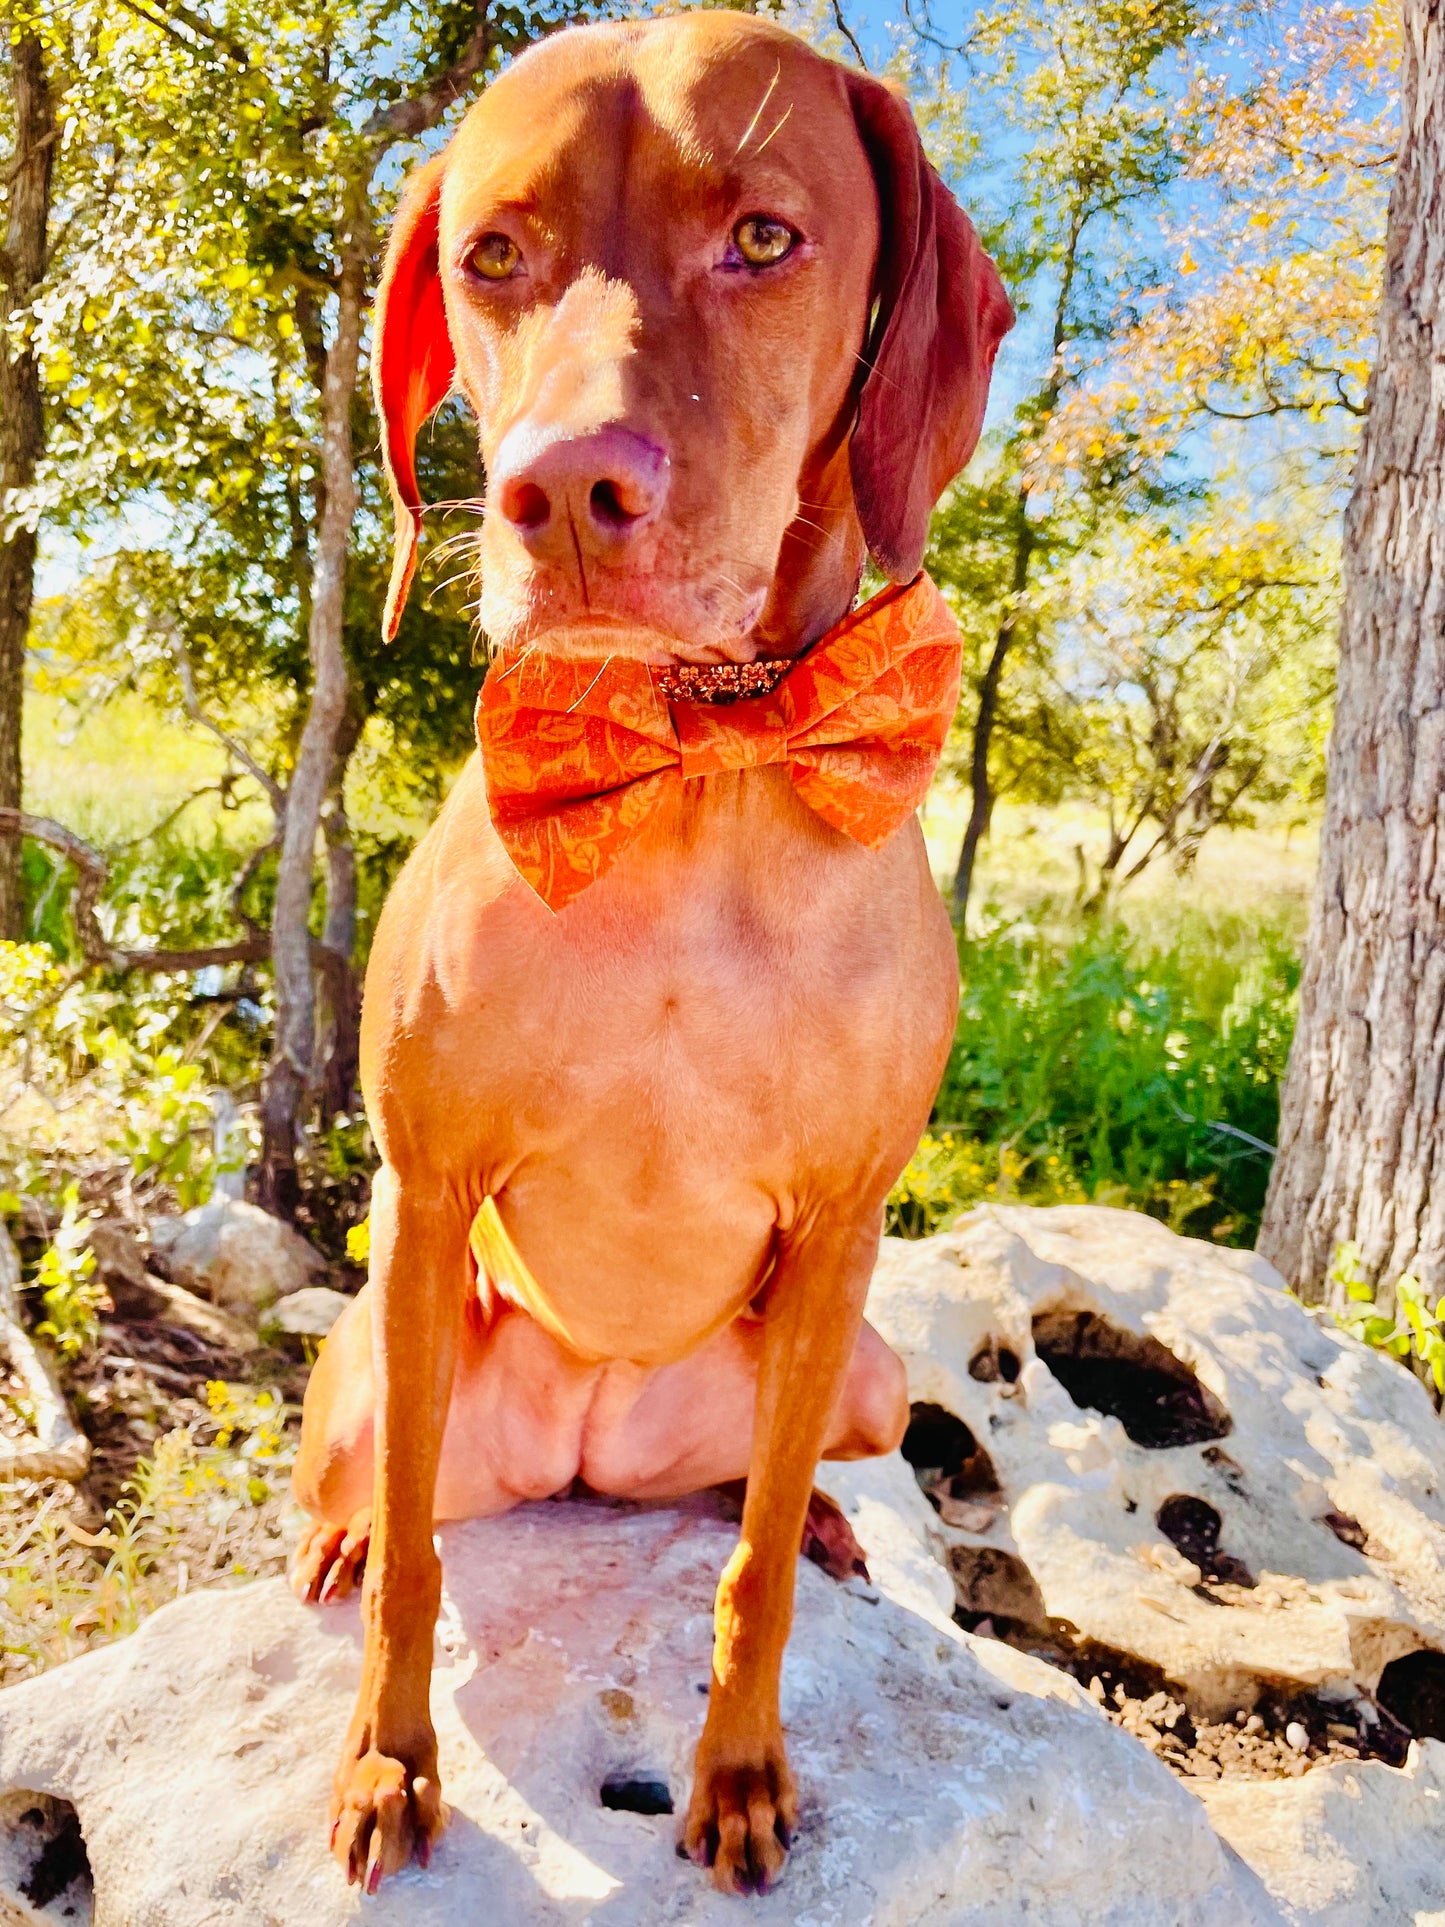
<point x="578" y="756"/>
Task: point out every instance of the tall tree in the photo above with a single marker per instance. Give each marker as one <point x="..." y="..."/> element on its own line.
<point x="205" y="347"/>
<point x="1095" y="135"/>
<point x="1362" y="1130"/>
<point x="27" y="180"/>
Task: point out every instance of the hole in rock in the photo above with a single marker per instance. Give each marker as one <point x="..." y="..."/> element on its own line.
<point x="1413" y="1690"/>
<point x="1348" y="1531"/>
<point x="1194" y="1526"/>
<point x="45" y="1851"/>
<point x="994" y="1362"/>
<point x="955" y="1472"/>
<point x="635" y="1793"/>
<point x="1154" y="1395"/>
<point x="990" y="1584"/>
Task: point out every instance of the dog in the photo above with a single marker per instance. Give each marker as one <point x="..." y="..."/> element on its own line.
<point x="656" y="1012"/>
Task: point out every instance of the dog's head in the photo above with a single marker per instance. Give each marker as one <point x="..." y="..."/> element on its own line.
<point x="722" y="326"/>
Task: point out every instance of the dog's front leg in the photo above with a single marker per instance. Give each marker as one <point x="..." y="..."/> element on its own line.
<point x="386" y="1801"/>
<point x="744" y="1804"/>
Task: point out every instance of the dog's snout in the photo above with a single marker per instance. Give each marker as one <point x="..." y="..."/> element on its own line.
<point x="599" y="490"/>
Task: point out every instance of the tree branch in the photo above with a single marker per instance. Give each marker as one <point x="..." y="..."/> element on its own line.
<point x="847" y="32"/>
<point x="236" y="750"/>
<point x="165" y="17"/>
<point x="143" y="13"/>
<point x="92" y="868"/>
<point x="22" y="161"/>
<point x="405" y="119"/>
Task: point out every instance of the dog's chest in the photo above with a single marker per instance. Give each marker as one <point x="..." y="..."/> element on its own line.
<point x="742" y="1022"/>
<point x="737" y="1008"/>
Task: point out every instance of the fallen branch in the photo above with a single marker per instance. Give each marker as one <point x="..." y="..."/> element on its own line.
<point x="92" y="872"/>
<point x="1226" y="1130"/>
<point x="55" y="1447"/>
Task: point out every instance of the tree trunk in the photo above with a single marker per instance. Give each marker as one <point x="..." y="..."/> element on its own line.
<point x="1025" y="543"/>
<point x="291" y="1072"/>
<point x="339" y="1051"/>
<point x="1362" y="1130"/>
<point x="983" y="724"/>
<point x="22" y="426"/>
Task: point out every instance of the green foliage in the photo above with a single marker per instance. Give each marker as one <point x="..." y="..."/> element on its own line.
<point x="1090" y="1067"/>
<point x="115" y="1078"/>
<point x="1414" y="1332"/>
<point x="168" y="1131"/>
<point x="72" y="1296"/>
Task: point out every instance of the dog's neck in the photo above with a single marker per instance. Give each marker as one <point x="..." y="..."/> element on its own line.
<point x="820" y="561"/>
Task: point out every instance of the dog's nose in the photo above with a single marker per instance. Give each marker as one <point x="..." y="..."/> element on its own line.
<point x="597" y="490"/>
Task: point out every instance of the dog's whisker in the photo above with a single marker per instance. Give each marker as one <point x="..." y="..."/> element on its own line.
<point x="752" y="124"/>
<point x="607" y="663"/>
<point x="778" y="129"/>
<point x="453" y="545"/>
<point x="875" y="372"/>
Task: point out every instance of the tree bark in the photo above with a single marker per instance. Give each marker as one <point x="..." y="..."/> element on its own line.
<point x="340" y="1027"/>
<point x="291" y="1071"/>
<point x="1362" y="1129"/>
<point x="22" y="425"/>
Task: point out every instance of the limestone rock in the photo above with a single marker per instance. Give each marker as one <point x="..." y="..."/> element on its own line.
<point x="1167" y="1451"/>
<point x="574" y="1651"/>
<point x="308" y="1313"/>
<point x="236" y="1255"/>
<point x="1347" y="1845"/>
<point x="136" y="1292"/>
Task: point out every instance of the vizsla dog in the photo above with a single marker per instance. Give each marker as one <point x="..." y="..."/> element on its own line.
<point x="643" y="1058"/>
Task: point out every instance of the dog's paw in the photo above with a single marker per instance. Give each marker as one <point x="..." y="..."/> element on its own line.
<point x="382" y="1812"/>
<point x="740" y="1820"/>
<point x="829" y="1542"/>
<point x="330" y="1559"/>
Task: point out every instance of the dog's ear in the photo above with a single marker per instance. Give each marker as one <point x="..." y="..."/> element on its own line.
<point x="412" y="365"/>
<point x="940" y="314"/>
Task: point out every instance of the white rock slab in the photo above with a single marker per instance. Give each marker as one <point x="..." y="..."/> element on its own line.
<point x="1318" y="1424"/>
<point x="575" y="1645"/>
<point x="308" y="1313"/>
<point x="1349" y="1845"/>
<point x="236" y="1255"/>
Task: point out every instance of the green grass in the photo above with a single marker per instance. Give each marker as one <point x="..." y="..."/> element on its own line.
<point x="1104" y="1064"/>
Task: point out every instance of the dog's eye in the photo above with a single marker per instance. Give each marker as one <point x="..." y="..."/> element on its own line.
<point x="761" y="240"/>
<point x="496" y="256"/>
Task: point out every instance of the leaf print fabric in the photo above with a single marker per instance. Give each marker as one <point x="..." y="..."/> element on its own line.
<point x="579" y="754"/>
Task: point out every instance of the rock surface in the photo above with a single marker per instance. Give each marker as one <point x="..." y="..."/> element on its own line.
<point x="236" y="1255"/>
<point x="308" y="1313"/>
<point x="1346" y="1846"/>
<point x="1169" y="1453"/>
<point x="1093" y="1392"/>
<point x="574" y="1647"/>
<point x="138" y="1293"/>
